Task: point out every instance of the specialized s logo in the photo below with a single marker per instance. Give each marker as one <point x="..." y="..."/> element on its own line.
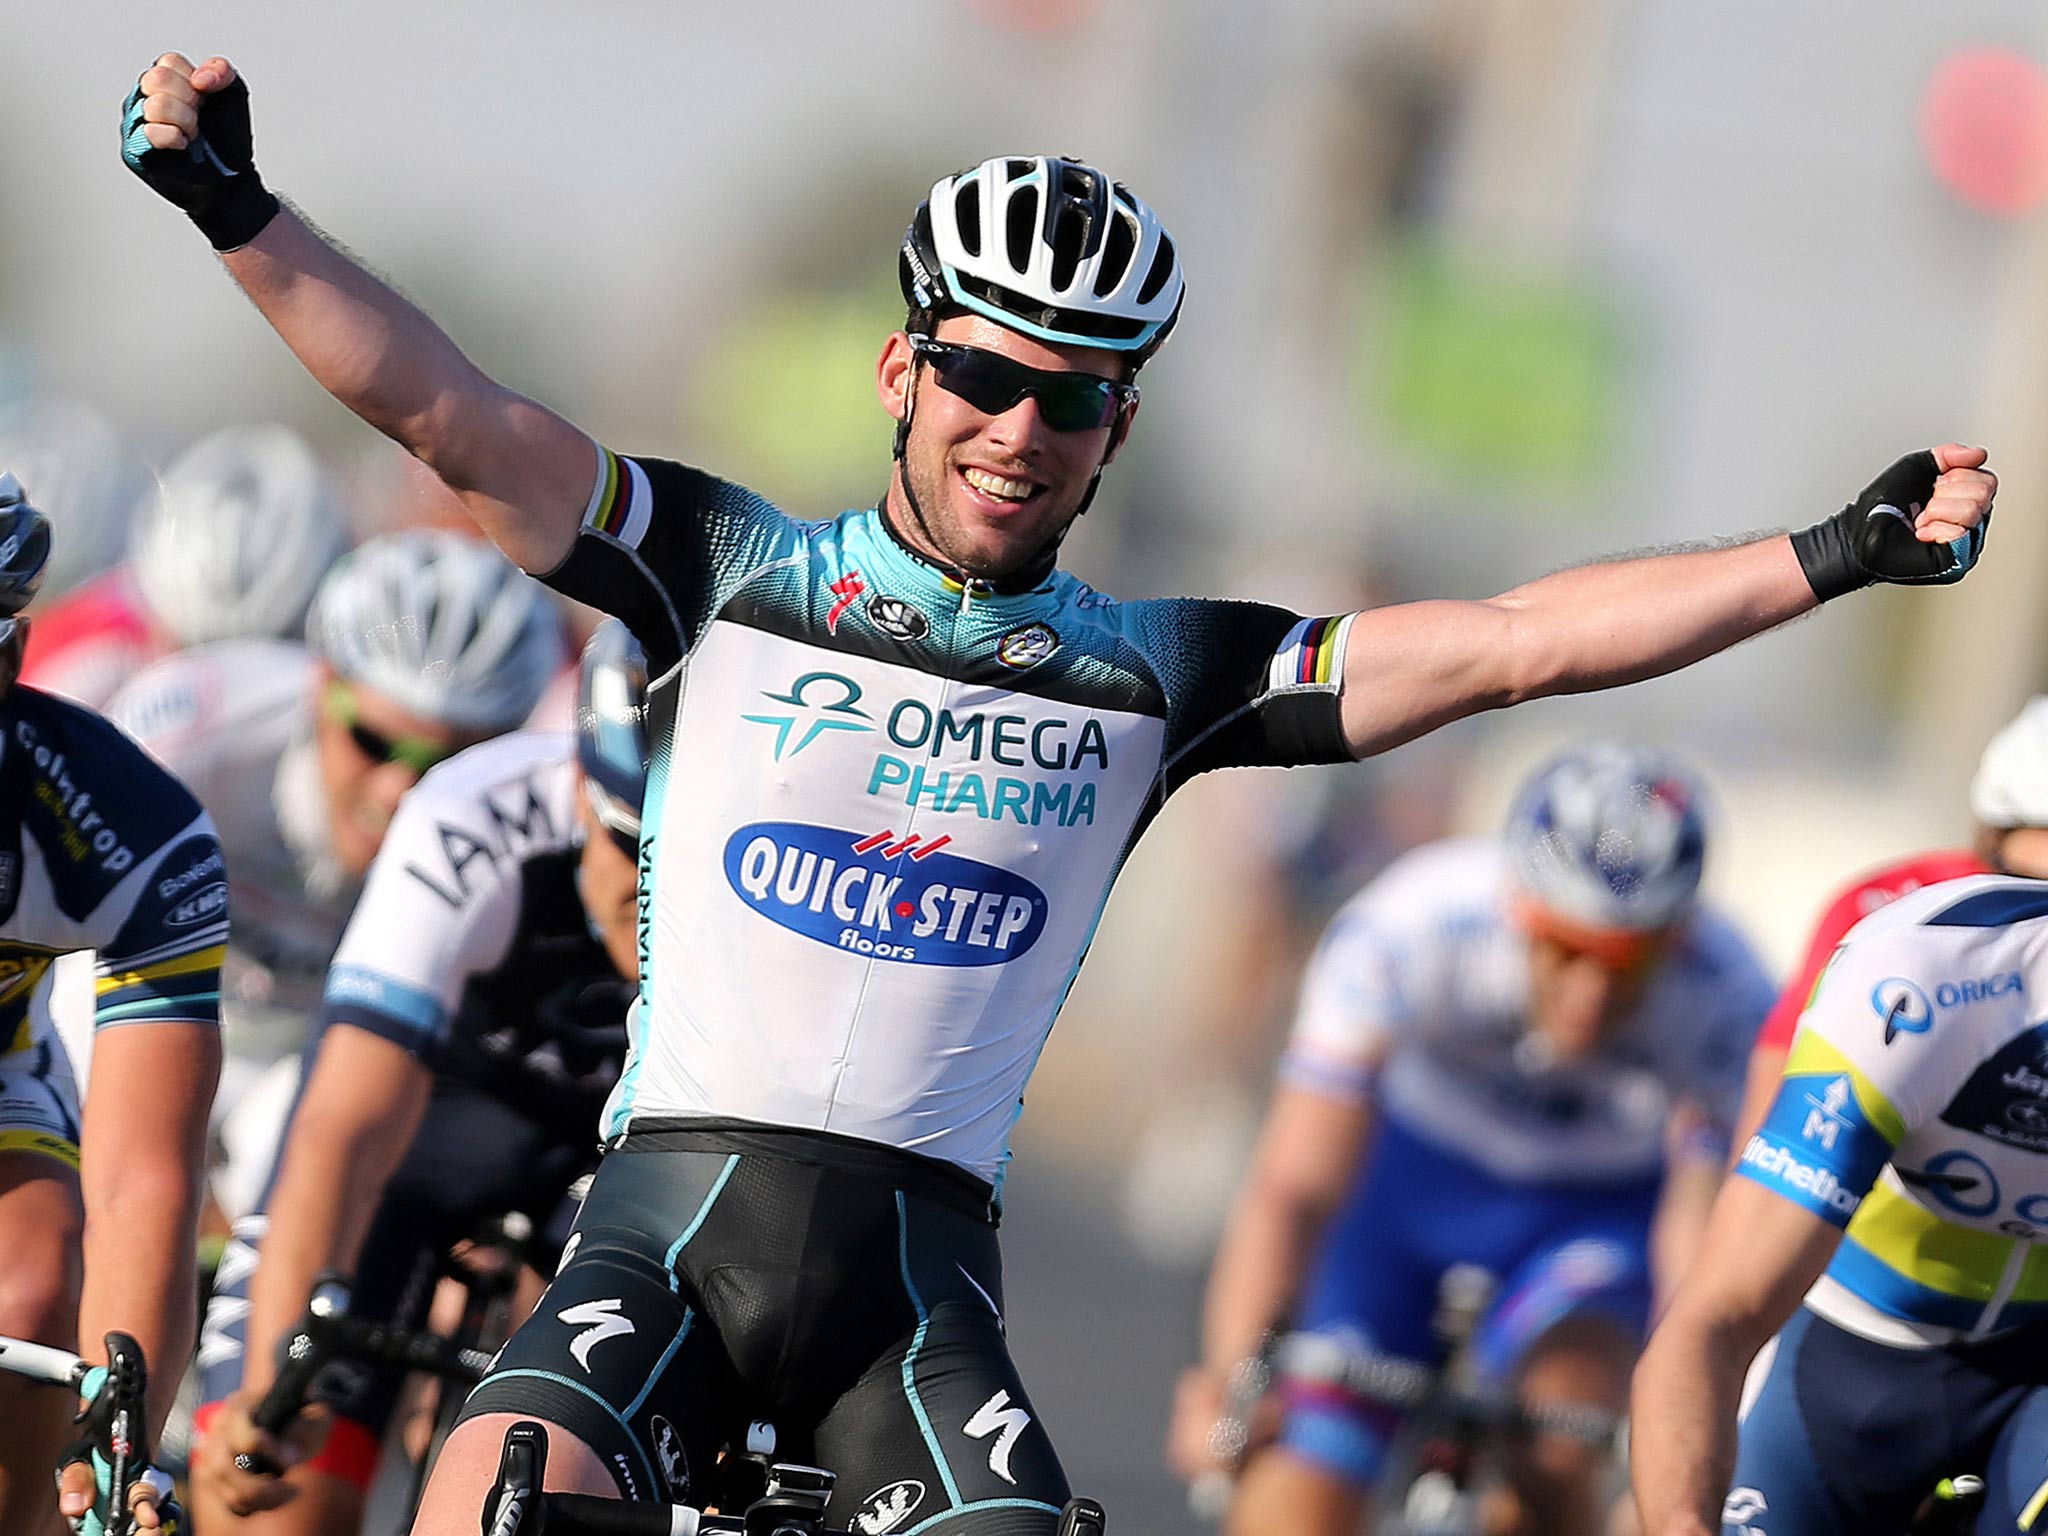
<point x="819" y="702"/>
<point x="845" y="589"/>
<point x="884" y="896"/>
<point x="605" y="1323"/>
<point x="999" y="1418"/>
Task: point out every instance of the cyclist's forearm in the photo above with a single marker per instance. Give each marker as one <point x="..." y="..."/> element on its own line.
<point x="326" y="1194"/>
<point x="1258" y="1273"/>
<point x="142" y="1167"/>
<point x="1682" y="1428"/>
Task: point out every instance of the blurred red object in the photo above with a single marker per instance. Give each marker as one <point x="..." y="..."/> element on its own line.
<point x="1984" y="121"/>
<point x="1042" y="17"/>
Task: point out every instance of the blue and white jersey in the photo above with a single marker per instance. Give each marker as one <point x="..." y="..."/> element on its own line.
<point x="1914" y="1113"/>
<point x="470" y="946"/>
<point x="885" y="808"/>
<point x="1418" y="997"/>
<point x="101" y="849"/>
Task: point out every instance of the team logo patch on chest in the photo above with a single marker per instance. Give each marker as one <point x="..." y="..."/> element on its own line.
<point x="883" y="896"/>
<point x="1027" y="646"/>
<point x="897" y="619"/>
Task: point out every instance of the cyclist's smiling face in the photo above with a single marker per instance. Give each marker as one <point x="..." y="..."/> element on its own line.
<point x="371" y="752"/>
<point x="994" y="490"/>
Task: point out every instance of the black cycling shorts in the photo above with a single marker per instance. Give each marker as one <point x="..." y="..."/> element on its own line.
<point x="849" y="1294"/>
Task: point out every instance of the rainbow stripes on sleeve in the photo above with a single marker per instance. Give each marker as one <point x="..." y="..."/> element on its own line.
<point x="621" y="502"/>
<point x="181" y="988"/>
<point x="1312" y="656"/>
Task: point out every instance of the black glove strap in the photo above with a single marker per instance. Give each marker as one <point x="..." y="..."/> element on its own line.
<point x="1826" y="557"/>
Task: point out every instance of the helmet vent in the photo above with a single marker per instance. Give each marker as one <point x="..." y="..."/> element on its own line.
<point x="1162" y="269"/>
<point x="1020" y="223"/>
<point x="1069" y="239"/>
<point x="1122" y="242"/>
<point x="967" y="217"/>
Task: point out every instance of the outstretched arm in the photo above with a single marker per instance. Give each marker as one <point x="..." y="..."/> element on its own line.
<point x="1416" y="666"/>
<point x="1760" y="1256"/>
<point x="522" y="471"/>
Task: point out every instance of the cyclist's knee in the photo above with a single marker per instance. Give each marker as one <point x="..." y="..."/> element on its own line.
<point x="467" y="1470"/>
<point x="41" y="1226"/>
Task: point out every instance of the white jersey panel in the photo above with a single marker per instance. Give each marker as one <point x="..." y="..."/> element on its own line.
<point x="235" y="721"/>
<point x="442" y="901"/>
<point x="874" y="841"/>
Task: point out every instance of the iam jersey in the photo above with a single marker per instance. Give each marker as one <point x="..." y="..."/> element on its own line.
<point x="470" y="947"/>
<point x="101" y="849"/>
<point x="1418" y="997"/>
<point x="1914" y="1113"/>
<point x="885" y="808"/>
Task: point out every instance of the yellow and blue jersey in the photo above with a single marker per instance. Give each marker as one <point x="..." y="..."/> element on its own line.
<point x="1914" y="1112"/>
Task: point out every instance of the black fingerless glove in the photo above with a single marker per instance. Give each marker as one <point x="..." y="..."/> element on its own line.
<point x="214" y="177"/>
<point x="1872" y="538"/>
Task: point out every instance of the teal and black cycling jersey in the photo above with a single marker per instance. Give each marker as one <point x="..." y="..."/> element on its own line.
<point x="886" y="806"/>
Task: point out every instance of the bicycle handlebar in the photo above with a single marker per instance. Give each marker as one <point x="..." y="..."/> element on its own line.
<point x="326" y="1332"/>
<point x="114" y="1423"/>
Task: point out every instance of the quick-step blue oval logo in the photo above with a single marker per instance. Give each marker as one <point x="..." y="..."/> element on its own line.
<point x="884" y="896"/>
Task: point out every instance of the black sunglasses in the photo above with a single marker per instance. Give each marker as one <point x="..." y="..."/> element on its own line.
<point x="993" y="384"/>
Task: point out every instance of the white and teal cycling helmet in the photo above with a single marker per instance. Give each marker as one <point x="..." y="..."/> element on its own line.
<point x="442" y="625"/>
<point x="1049" y="247"/>
<point x="611" y="728"/>
<point x="1609" y="837"/>
<point x="244" y="526"/>
<point x="2011" y="786"/>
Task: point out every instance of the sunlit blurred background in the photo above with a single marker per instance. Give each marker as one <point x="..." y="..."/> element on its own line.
<point x="1478" y="288"/>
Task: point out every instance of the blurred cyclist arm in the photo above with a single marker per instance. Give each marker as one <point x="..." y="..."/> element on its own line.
<point x="523" y="472"/>
<point x="1697" y="1158"/>
<point x="1760" y="1256"/>
<point x="1412" y="667"/>
<point x="1309" y="1154"/>
<point x="360" y="1111"/>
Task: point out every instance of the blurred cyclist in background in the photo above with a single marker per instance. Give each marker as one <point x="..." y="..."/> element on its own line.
<point x="231" y="547"/>
<point x="1510" y="1053"/>
<point x="102" y="850"/>
<point x="87" y="483"/>
<point x="2008" y="797"/>
<point x="418" y="645"/>
<point x="475" y="1020"/>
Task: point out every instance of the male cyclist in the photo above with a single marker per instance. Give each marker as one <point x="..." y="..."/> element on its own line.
<point x="1888" y="1225"/>
<point x="475" y="1019"/>
<point x="2008" y="797"/>
<point x="100" y="849"/>
<point x="1494" y="1042"/>
<point x="885" y="814"/>
<point x="242" y="528"/>
<point x="418" y="644"/>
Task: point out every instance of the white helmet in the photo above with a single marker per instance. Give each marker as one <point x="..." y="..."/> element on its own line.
<point x="1049" y="247"/>
<point x="1610" y="837"/>
<point x="2011" y="787"/>
<point x="244" y="526"/>
<point x="84" y="480"/>
<point x="442" y="625"/>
